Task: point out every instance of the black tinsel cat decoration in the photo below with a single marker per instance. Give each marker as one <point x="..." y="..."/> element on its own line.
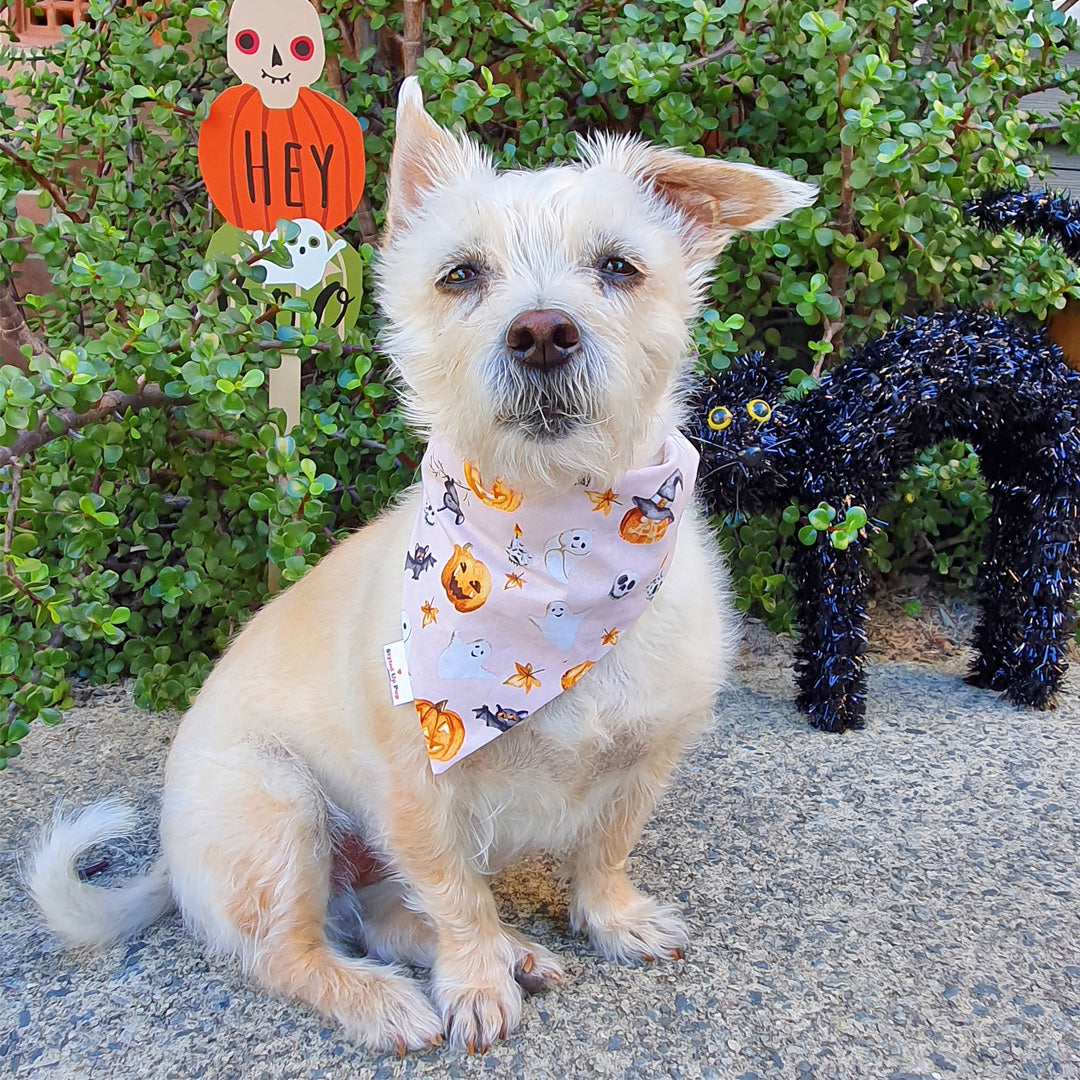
<point x="968" y="375"/>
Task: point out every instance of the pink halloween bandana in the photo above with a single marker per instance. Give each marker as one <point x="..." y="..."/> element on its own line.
<point x="507" y="601"/>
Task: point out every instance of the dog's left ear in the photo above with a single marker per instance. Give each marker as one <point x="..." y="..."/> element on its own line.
<point x="717" y="198"/>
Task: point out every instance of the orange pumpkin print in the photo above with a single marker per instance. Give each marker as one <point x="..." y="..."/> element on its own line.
<point x="443" y="729"/>
<point x="500" y="497"/>
<point x="648" y="521"/>
<point x="637" y="527"/>
<point x="261" y="165"/>
<point x="466" y="579"/>
<point x="570" y="677"/>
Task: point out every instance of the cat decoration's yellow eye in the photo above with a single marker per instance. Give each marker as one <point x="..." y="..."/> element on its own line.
<point x="719" y="418"/>
<point x="759" y="410"/>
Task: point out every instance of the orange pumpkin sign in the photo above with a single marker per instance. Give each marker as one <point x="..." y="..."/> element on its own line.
<point x="443" y="729"/>
<point x="261" y="165"/>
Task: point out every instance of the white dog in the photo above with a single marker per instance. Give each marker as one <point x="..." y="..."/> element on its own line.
<point x="539" y="323"/>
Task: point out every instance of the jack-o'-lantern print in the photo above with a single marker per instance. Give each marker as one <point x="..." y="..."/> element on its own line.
<point x="443" y="729"/>
<point x="649" y="519"/>
<point x="499" y="497"/>
<point x="466" y="579"/>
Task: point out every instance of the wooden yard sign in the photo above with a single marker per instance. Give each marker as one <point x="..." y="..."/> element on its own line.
<point x="272" y="150"/>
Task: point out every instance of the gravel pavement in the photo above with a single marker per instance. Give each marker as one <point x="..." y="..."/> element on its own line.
<point x="896" y="903"/>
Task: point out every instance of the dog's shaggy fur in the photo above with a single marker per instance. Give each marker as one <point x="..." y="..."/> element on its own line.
<point x="299" y="811"/>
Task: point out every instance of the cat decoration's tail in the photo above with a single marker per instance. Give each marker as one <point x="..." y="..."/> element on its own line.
<point x="85" y="915"/>
<point x="1036" y="213"/>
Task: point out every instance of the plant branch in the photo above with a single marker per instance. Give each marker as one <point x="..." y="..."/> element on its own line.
<point x="149" y="395"/>
<point x="14" y="494"/>
<point x="13" y="325"/>
<point x="508" y="9"/>
<point x="726" y="49"/>
<point x="413" y="40"/>
<point x="43" y="182"/>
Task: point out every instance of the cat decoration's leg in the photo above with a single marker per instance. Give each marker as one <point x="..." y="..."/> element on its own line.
<point x="997" y="633"/>
<point x="1046" y="566"/>
<point x="831" y="596"/>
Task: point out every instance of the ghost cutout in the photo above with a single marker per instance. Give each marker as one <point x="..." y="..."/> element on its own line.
<point x="559" y="625"/>
<point x="277" y="47"/>
<point x="464" y="659"/>
<point x="310" y="249"/>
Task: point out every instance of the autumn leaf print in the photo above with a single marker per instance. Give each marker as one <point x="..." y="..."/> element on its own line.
<point x="525" y="679"/>
<point x="603" y="501"/>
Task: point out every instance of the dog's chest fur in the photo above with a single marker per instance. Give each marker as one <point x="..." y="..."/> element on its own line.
<point x="538" y="786"/>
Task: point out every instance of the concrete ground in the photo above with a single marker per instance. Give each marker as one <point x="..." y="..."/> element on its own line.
<point x="897" y="903"/>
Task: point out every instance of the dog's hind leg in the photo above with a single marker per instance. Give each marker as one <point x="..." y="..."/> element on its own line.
<point x="394" y="931"/>
<point x="248" y="840"/>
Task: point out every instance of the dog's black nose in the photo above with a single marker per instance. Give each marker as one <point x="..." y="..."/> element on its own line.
<point x="543" y="339"/>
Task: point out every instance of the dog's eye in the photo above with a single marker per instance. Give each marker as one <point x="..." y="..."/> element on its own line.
<point x="719" y="418"/>
<point x="759" y="410"/>
<point x="460" y="275"/>
<point x="617" y="267"/>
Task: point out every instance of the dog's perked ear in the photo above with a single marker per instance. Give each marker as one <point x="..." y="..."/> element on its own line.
<point x="425" y="155"/>
<point x="718" y="198"/>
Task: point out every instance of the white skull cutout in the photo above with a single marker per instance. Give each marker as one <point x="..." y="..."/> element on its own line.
<point x="310" y="249"/>
<point x="277" y="47"/>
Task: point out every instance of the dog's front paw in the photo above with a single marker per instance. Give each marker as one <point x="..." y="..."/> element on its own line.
<point x="393" y="1015"/>
<point x="640" y="930"/>
<point x="478" y="1012"/>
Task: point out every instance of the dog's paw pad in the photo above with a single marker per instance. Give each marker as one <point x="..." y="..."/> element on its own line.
<point x="644" y="931"/>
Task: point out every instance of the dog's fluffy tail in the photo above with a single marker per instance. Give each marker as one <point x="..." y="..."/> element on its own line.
<point x="81" y="914"/>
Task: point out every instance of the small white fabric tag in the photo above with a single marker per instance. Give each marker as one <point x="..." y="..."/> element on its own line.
<point x="397" y="668"/>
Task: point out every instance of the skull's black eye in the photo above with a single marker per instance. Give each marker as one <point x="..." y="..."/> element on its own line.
<point x="759" y="410"/>
<point x="247" y="41"/>
<point x="719" y="418"/>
